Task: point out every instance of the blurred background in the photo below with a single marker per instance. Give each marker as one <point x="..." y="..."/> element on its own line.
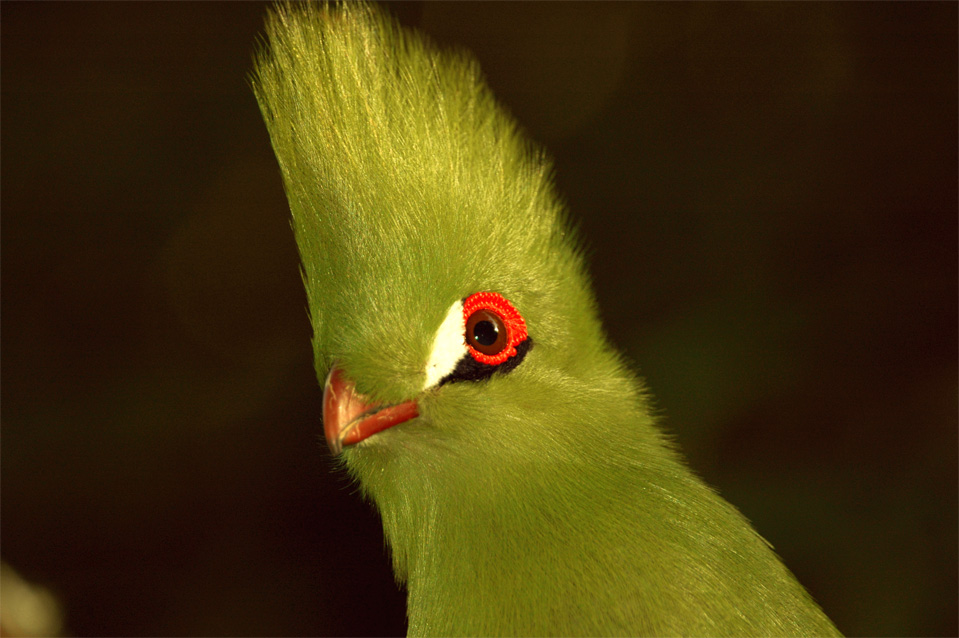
<point x="769" y="191"/>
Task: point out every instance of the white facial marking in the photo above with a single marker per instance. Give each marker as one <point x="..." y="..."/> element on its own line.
<point x="449" y="346"/>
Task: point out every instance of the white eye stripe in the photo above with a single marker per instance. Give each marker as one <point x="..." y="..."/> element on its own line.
<point x="449" y="346"/>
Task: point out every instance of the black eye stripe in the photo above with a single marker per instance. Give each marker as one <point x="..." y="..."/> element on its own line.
<point x="468" y="369"/>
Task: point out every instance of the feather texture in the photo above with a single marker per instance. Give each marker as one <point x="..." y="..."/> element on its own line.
<point x="543" y="501"/>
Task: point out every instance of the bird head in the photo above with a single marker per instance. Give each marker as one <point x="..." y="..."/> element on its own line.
<point x="450" y="308"/>
<point x="468" y="385"/>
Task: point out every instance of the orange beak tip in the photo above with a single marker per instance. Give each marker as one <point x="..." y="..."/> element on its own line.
<point x="349" y="417"/>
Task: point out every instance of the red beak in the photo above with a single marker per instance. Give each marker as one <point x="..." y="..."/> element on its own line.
<point x="349" y="417"/>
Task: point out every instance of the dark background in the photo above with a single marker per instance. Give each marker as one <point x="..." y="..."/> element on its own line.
<point x="770" y="194"/>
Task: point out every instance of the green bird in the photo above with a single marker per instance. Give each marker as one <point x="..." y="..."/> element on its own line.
<point x="524" y="486"/>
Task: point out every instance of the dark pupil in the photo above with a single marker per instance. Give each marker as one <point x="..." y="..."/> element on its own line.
<point x="485" y="332"/>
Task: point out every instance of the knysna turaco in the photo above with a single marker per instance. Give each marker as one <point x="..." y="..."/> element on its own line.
<point x="523" y="484"/>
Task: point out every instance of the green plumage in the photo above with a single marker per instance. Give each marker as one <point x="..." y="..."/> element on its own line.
<point x="543" y="501"/>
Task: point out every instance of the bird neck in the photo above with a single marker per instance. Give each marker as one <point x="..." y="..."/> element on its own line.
<point x="606" y="531"/>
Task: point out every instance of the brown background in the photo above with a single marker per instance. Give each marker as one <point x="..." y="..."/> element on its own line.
<point x="770" y="194"/>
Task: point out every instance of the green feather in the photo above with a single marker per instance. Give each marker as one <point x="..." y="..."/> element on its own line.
<point x="543" y="501"/>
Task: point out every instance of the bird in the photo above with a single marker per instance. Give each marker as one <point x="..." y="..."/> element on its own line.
<point x="524" y="482"/>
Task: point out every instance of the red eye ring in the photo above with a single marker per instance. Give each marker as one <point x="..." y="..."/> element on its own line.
<point x="494" y="304"/>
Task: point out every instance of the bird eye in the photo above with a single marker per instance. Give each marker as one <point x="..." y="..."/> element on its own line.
<point x="493" y="327"/>
<point x="481" y="335"/>
<point x="486" y="332"/>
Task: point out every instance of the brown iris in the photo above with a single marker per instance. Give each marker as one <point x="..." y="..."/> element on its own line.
<point x="486" y="332"/>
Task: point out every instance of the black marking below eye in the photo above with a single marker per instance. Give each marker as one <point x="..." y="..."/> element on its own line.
<point x="469" y="369"/>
